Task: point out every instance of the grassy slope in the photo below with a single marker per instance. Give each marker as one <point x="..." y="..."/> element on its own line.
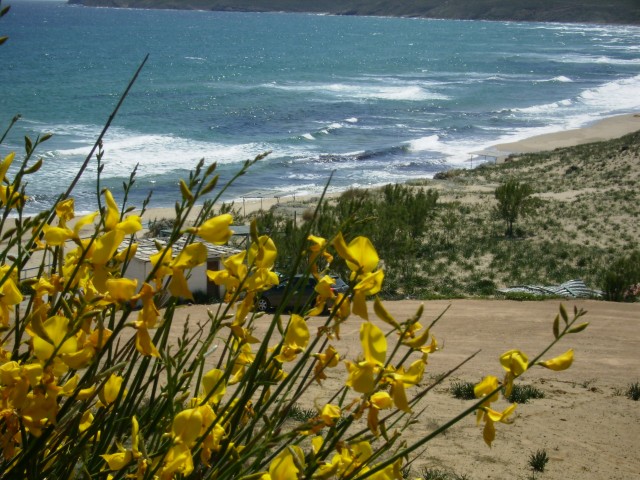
<point x="587" y="214"/>
<point x="596" y="11"/>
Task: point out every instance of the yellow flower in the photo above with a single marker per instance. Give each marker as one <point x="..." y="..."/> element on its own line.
<point x="374" y="347"/>
<point x="149" y="313"/>
<point x="325" y="292"/>
<point x="39" y="410"/>
<point x="369" y="284"/>
<point x="378" y="401"/>
<point x="234" y="271"/>
<point x="6" y="163"/>
<point x="112" y="215"/>
<point x="318" y="247"/>
<point x="296" y="339"/>
<point x="263" y="253"/>
<point x="283" y="467"/>
<point x="400" y="381"/>
<point x="65" y="210"/>
<point x="85" y="421"/>
<point x="261" y="279"/>
<point x="329" y="358"/>
<point x="123" y="458"/>
<point x="144" y="344"/>
<point x="56" y="236"/>
<point x="121" y="289"/>
<point x="488" y="386"/>
<point x="177" y="460"/>
<point x="191" y="256"/>
<point x="54" y="337"/>
<point x="10" y="196"/>
<point x="515" y="364"/>
<point x="128" y="226"/>
<point x="215" y="230"/>
<point x="9" y="295"/>
<point x="111" y="389"/>
<point x="147" y="318"/>
<point x="243" y="358"/>
<point x="360" y="255"/>
<point x="561" y="362"/>
<point x="490" y="417"/>
<point x="186" y="426"/>
<point x="330" y="414"/>
<point x="214" y="386"/>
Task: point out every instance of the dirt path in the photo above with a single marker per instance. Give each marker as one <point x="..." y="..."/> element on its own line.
<point x="587" y="427"/>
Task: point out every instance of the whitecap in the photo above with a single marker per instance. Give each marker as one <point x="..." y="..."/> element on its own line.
<point x="308" y="136"/>
<point x="364" y="91"/>
<point x="431" y="142"/>
<point x="611" y="96"/>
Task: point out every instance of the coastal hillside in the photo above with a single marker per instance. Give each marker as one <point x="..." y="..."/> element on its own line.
<point x="449" y="242"/>
<point x="580" y="11"/>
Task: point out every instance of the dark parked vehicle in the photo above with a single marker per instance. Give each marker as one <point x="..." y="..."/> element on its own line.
<point x="302" y="293"/>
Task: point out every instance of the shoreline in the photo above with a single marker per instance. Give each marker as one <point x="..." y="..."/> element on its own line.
<point x="604" y="129"/>
<point x="608" y="128"/>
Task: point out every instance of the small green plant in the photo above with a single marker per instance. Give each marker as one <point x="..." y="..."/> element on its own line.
<point x="524" y="393"/>
<point x="524" y="297"/>
<point x="437" y="474"/>
<point x="302" y="415"/>
<point x="462" y="390"/>
<point x="621" y="279"/>
<point x="538" y="461"/>
<point x="513" y="201"/>
<point x="633" y="392"/>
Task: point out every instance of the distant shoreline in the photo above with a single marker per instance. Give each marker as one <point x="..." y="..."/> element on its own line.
<point x="620" y="12"/>
<point x="605" y="129"/>
<point x="601" y="130"/>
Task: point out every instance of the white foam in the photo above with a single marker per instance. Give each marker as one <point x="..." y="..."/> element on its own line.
<point x="308" y="136"/>
<point x="362" y="91"/>
<point x="351" y="120"/>
<point x="590" y="59"/>
<point x="619" y="94"/>
<point x="431" y="142"/>
<point x="157" y="154"/>
<point x="545" y="108"/>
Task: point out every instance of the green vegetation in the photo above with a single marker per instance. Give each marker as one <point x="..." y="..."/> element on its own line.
<point x="438" y="474"/>
<point x="439" y="238"/>
<point x="514" y="200"/>
<point x="524" y="393"/>
<point x="621" y="280"/>
<point x="538" y="461"/>
<point x="462" y="390"/>
<point x="633" y="391"/>
<point x="613" y="11"/>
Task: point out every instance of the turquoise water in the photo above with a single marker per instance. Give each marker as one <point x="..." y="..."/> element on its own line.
<point x="375" y="100"/>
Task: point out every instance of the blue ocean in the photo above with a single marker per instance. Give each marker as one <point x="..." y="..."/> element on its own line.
<point x="374" y="100"/>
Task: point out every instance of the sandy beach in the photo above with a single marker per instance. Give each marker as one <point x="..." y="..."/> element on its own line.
<point x="606" y="129"/>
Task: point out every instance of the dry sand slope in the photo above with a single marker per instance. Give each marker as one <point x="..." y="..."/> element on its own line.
<point x="589" y="430"/>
